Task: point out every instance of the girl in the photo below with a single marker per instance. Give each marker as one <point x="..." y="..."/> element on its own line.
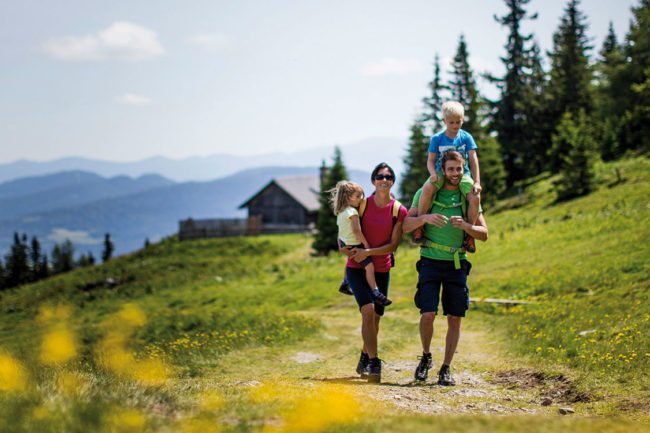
<point x="345" y="200"/>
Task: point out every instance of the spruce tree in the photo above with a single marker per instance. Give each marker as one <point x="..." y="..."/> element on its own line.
<point x="432" y="118"/>
<point x="577" y="152"/>
<point x="63" y="257"/>
<point x="636" y="120"/>
<point x="493" y="175"/>
<point x="109" y="247"/>
<point x="415" y="163"/>
<point x="35" y="259"/>
<point x="570" y="87"/>
<point x="462" y="87"/>
<point x="325" y="239"/>
<point x="18" y="271"/>
<point x="610" y="102"/>
<point x="2" y="275"/>
<point x="510" y="119"/>
<point x="43" y="268"/>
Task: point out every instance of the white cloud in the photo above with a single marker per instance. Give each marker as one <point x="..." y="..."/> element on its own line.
<point x="391" y="66"/>
<point x="120" y="41"/>
<point x="77" y="237"/>
<point x="210" y="41"/>
<point x="132" y="99"/>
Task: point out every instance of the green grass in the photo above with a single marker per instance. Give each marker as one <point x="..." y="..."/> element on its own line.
<point x="211" y="309"/>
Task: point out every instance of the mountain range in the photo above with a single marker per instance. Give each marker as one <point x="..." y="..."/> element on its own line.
<point x="361" y="155"/>
<point x="83" y="206"/>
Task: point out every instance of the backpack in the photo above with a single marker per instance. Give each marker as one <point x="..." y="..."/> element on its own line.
<point x="395" y="212"/>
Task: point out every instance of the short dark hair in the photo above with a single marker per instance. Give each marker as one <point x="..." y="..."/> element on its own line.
<point x="381" y="166"/>
<point x="451" y="155"/>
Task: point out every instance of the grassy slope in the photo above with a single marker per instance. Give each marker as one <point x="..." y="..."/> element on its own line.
<point x="211" y="302"/>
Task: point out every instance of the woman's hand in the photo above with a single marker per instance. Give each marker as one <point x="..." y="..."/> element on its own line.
<point x="359" y="254"/>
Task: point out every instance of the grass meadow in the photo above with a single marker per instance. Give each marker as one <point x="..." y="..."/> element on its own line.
<point x="193" y="336"/>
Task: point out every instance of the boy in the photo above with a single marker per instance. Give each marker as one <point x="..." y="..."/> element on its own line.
<point x="452" y="138"/>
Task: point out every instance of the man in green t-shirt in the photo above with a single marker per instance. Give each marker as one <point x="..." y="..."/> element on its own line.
<point x="443" y="262"/>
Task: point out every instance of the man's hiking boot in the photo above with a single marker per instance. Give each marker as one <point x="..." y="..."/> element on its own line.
<point x="362" y="366"/>
<point x="469" y="244"/>
<point x="422" y="370"/>
<point x="444" y="376"/>
<point x="374" y="370"/>
<point x="380" y="298"/>
<point x="417" y="237"/>
<point x="345" y="288"/>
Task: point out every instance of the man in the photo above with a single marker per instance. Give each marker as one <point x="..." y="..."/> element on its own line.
<point x="443" y="262"/>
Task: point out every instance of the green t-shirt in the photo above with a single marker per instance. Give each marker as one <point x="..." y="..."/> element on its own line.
<point x="447" y="235"/>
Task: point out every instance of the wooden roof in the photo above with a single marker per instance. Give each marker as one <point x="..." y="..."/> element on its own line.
<point x="303" y="189"/>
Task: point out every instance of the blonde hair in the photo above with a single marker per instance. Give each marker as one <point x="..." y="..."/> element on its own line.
<point x="340" y="195"/>
<point x="452" y="108"/>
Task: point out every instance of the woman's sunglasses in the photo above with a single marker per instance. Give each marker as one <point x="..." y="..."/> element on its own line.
<point x="383" y="176"/>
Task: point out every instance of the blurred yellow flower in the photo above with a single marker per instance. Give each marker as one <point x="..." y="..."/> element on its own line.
<point x="199" y="425"/>
<point x="132" y="315"/>
<point x="56" y="313"/>
<point x="12" y="374"/>
<point x="59" y="346"/>
<point x="126" y="421"/>
<point x="212" y="401"/>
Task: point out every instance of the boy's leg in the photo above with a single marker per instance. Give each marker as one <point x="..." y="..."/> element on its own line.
<point x="424" y="204"/>
<point x="473" y="209"/>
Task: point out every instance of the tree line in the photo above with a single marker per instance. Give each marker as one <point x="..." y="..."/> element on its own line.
<point x="556" y="120"/>
<point x="27" y="263"/>
<point x="585" y="107"/>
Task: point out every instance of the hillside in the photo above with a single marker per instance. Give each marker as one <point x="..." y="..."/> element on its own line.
<point x="249" y="334"/>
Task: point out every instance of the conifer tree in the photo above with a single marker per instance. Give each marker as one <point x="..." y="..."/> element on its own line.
<point x="325" y="239"/>
<point x="17" y="271"/>
<point x="611" y="88"/>
<point x="109" y="247"/>
<point x="577" y="151"/>
<point x="43" y="268"/>
<point x="636" y="121"/>
<point x="463" y="88"/>
<point x="431" y="118"/>
<point x="63" y="257"/>
<point x="35" y="259"/>
<point x="415" y="163"/>
<point x="493" y="175"/>
<point x="570" y="87"/>
<point x="510" y="118"/>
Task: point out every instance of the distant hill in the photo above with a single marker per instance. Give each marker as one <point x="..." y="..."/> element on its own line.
<point x="361" y="155"/>
<point x="63" y="190"/>
<point x="153" y="213"/>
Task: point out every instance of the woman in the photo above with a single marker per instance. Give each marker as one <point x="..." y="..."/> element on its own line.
<point x="383" y="235"/>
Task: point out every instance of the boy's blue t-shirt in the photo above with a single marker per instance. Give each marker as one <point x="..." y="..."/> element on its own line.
<point x="463" y="143"/>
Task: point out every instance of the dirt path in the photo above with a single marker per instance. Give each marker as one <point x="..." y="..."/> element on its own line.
<point x="488" y="382"/>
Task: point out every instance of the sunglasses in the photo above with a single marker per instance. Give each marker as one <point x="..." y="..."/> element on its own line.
<point x="383" y="176"/>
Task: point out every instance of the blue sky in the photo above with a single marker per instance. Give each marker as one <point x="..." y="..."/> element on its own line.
<point x="125" y="80"/>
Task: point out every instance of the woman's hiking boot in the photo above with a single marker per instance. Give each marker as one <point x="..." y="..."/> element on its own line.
<point x="362" y="365"/>
<point x="380" y="298"/>
<point x="374" y="370"/>
<point x="422" y="370"/>
<point x="444" y="376"/>
<point x="345" y="288"/>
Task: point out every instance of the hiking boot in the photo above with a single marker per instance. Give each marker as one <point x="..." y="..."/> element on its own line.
<point x="374" y="370"/>
<point x="418" y="236"/>
<point x="444" y="376"/>
<point x="345" y="289"/>
<point x="422" y="370"/>
<point x="362" y="366"/>
<point x="380" y="298"/>
<point x="469" y="244"/>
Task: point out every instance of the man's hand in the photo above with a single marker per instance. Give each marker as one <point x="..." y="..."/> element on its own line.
<point x="435" y="219"/>
<point x="458" y="222"/>
<point x="476" y="188"/>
